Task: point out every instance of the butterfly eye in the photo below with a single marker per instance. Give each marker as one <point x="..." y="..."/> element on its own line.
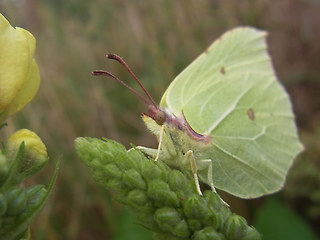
<point x="160" y="117"/>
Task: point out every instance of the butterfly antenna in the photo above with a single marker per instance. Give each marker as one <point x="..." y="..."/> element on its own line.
<point x="110" y="75"/>
<point x="123" y="63"/>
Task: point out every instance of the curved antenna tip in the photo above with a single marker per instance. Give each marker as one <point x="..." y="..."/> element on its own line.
<point x="125" y="65"/>
<point x="97" y="72"/>
<point x="112" y="56"/>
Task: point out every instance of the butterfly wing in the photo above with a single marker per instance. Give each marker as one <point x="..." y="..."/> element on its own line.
<point x="231" y="93"/>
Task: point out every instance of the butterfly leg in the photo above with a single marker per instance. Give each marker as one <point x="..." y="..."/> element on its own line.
<point x="148" y="151"/>
<point x="193" y="164"/>
<point x="160" y="142"/>
<point x="165" y="150"/>
<point x="210" y="174"/>
<point x="210" y="177"/>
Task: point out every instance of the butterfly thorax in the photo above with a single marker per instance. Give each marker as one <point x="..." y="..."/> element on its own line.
<point x="177" y="137"/>
<point x="164" y="116"/>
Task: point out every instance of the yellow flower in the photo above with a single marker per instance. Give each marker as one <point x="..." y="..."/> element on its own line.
<point x="36" y="155"/>
<point x="19" y="74"/>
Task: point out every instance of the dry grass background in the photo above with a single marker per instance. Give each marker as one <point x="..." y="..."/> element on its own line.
<point x="158" y="39"/>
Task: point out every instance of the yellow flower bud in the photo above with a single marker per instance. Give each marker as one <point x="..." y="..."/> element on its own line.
<point x="35" y="154"/>
<point x="19" y="74"/>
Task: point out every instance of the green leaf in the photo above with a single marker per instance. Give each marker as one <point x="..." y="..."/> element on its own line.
<point x="275" y="221"/>
<point x="13" y="177"/>
<point x="127" y="229"/>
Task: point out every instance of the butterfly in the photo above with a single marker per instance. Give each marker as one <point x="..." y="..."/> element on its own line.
<point x="226" y="118"/>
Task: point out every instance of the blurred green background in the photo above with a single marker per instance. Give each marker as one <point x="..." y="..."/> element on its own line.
<point x="158" y="39"/>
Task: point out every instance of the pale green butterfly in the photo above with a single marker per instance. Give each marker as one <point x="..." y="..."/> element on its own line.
<point x="226" y="118"/>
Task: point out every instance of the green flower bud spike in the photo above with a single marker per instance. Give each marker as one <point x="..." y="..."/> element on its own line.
<point x="165" y="200"/>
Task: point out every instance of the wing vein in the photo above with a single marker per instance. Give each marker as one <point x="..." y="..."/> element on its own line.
<point x="227" y="111"/>
<point x="244" y="163"/>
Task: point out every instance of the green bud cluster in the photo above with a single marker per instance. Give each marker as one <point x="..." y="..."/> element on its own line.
<point x="165" y="200"/>
<point x="15" y="202"/>
<point x="19" y="205"/>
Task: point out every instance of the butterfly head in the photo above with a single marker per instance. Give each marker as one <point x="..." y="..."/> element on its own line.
<point x="157" y="114"/>
<point x="161" y="116"/>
